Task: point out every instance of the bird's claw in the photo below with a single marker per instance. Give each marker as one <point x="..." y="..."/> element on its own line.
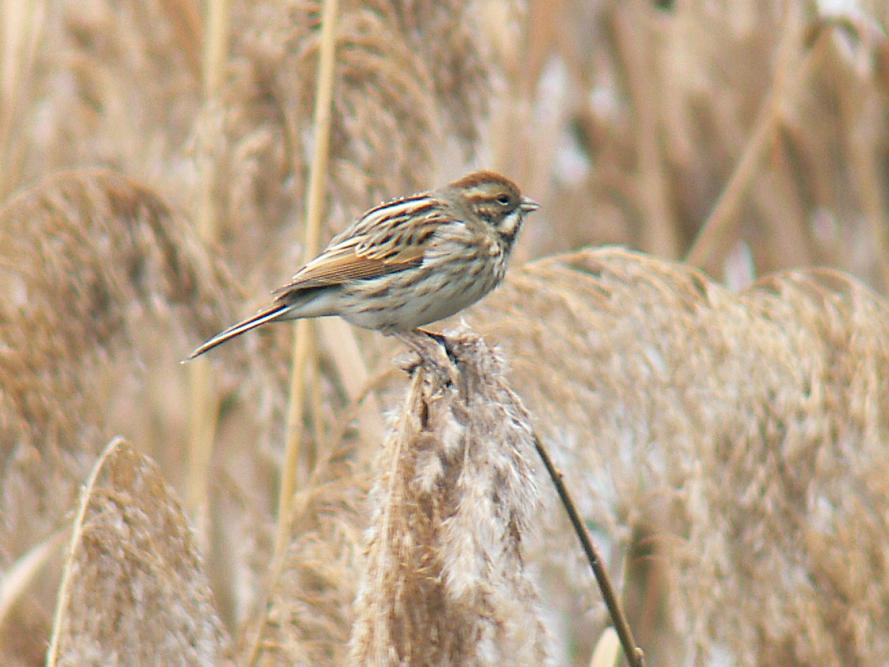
<point x="433" y="353"/>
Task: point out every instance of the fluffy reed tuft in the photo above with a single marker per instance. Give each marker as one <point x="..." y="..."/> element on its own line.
<point x="733" y="441"/>
<point x="83" y="257"/>
<point x="311" y="608"/>
<point x="444" y="579"/>
<point x="409" y="75"/>
<point x="87" y="259"/>
<point x="134" y="590"/>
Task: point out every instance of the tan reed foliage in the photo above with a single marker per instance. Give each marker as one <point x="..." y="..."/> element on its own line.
<point x="740" y="433"/>
<point x="88" y="247"/>
<point x="629" y="113"/>
<point x="89" y="260"/>
<point x="645" y="115"/>
<point x="735" y="439"/>
<point x="120" y="83"/>
<point x="134" y="590"/>
<point x="409" y="75"/>
<point x="113" y="83"/>
<point x="311" y="607"/>
<point x="443" y="578"/>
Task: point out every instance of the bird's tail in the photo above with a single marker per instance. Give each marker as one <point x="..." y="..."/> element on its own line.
<point x="268" y="315"/>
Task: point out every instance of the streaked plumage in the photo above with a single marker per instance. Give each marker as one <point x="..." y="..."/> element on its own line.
<point x="407" y="262"/>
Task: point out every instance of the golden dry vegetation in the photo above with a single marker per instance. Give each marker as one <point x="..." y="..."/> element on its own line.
<point x="718" y="406"/>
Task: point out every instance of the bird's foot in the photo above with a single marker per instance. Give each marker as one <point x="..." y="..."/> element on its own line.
<point x="434" y="352"/>
<point x="442" y="340"/>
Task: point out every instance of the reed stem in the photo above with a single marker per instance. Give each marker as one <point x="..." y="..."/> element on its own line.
<point x="204" y="402"/>
<point x="304" y="357"/>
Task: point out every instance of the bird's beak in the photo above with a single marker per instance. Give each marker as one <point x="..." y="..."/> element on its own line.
<point x="528" y="205"/>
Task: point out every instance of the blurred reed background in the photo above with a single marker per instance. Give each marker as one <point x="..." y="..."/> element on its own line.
<point x="724" y="432"/>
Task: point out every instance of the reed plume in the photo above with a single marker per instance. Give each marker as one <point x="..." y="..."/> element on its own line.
<point x="408" y="77"/>
<point x="311" y="606"/>
<point x="134" y="590"/>
<point x="733" y="439"/>
<point x="444" y="578"/>
<point x="90" y="263"/>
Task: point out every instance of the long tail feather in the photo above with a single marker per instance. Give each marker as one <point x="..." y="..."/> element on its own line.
<point x="235" y="330"/>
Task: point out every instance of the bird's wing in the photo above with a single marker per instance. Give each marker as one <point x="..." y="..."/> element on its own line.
<point x="389" y="238"/>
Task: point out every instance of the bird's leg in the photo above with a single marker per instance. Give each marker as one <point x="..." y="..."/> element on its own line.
<point x="430" y="352"/>
<point x="442" y="340"/>
<point x="424" y="344"/>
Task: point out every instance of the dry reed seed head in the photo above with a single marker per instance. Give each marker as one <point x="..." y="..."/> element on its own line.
<point x="455" y="47"/>
<point x="85" y="258"/>
<point x="311" y="612"/>
<point x="112" y="83"/>
<point x="46" y="413"/>
<point x="100" y="246"/>
<point x="408" y="77"/>
<point x="456" y="487"/>
<point x="134" y="591"/>
<point x="84" y="255"/>
<point x="631" y="122"/>
<point x="385" y="120"/>
<point x="748" y="428"/>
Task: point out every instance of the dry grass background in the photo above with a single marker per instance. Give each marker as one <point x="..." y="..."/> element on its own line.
<point x="725" y="436"/>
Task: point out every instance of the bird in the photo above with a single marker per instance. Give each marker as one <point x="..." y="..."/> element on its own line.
<point x="405" y="263"/>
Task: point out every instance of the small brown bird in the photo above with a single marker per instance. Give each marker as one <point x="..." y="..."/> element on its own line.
<point x="407" y="262"/>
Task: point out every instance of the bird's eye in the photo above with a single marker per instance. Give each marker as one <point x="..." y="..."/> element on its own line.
<point x="503" y="200"/>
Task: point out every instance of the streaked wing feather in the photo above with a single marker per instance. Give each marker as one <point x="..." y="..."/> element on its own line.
<point x="389" y="238"/>
<point x="334" y="268"/>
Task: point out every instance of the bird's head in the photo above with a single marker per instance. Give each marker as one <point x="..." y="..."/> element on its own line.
<point x="495" y="200"/>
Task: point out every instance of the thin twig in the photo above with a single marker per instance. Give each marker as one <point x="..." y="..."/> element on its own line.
<point x="635" y="655"/>
<point x="303" y="340"/>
